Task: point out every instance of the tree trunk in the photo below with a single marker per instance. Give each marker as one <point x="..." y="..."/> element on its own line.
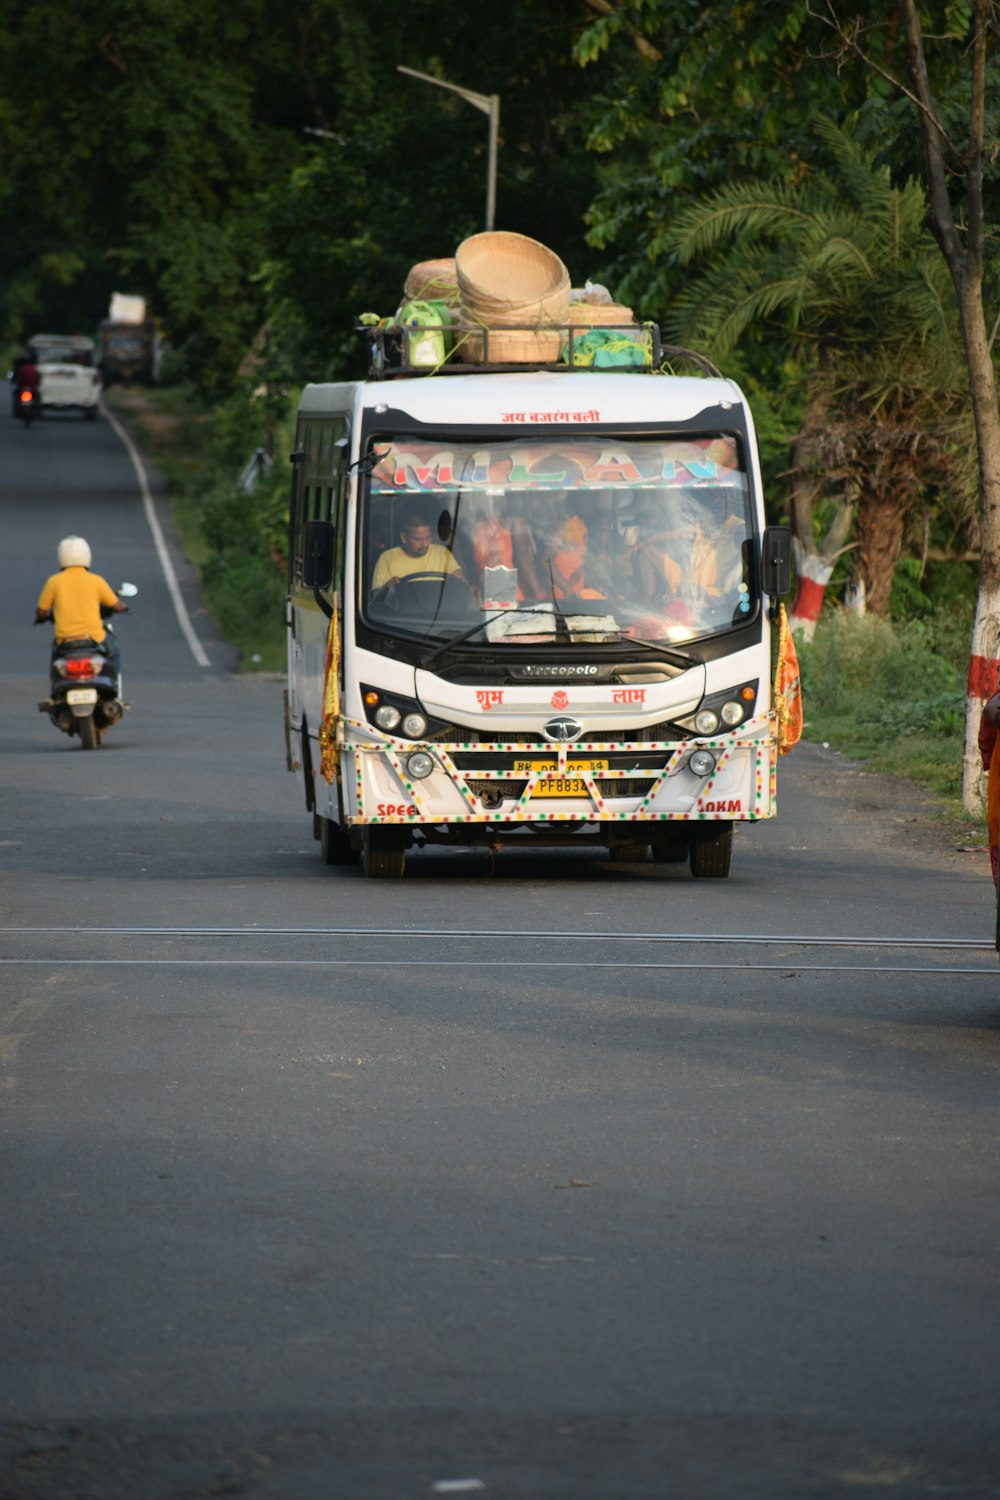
<point x="963" y="252"/>
<point x="812" y="574"/>
<point x="879" y="534"/>
<point x="813" y="564"/>
<point x="982" y="680"/>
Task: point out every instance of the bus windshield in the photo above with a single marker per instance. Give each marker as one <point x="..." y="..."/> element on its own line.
<point x="542" y="539"/>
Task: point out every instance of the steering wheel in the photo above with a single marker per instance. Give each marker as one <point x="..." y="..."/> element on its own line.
<point x="426" y="578"/>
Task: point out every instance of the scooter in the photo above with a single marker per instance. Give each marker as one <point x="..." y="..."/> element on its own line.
<point x="85" y="690"/>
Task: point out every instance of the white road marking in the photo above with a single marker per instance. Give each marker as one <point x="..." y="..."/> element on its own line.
<point x="254" y="930"/>
<point x="169" y="575"/>
<point x="790" y="966"/>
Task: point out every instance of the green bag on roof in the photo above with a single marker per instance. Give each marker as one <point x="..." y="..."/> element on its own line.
<point x="604" y="348"/>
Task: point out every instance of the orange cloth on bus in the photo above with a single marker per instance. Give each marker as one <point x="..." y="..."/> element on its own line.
<point x="75" y="597"/>
<point x="787" y="689"/>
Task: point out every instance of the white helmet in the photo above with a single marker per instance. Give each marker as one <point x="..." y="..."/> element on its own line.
<point x="73" y="553"/>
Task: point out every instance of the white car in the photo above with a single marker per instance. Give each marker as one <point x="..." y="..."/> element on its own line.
<point x="70" y="378"/>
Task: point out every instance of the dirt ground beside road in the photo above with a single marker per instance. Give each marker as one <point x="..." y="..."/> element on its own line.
<point x="895" y="812"/>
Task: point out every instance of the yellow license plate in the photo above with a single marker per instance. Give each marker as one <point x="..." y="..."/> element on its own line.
<point x="560" y="786"/>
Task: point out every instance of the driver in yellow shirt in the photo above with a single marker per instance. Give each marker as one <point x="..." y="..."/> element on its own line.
<point x="417" y="553"/>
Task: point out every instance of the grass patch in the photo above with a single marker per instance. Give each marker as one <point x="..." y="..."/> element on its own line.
<point x="893" y="696"/>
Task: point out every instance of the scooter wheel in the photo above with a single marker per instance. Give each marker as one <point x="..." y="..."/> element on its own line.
<point x="90" y="735"/>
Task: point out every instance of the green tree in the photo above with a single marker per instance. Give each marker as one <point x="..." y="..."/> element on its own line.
<point x="688" y="99"/>
<point x="843" y="266"/>
<point x="401" y="175"/>
<point x="162" y="147"/>
<point x="953" y="89"/>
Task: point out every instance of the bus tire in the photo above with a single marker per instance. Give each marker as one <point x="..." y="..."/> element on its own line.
<point x="334" y="843"/>
<point x="711" y="851"/>
<point x="383" y="854"/>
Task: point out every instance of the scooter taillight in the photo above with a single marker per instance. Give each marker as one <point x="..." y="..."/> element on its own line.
<point x="26" y="398"/>
<point x="82" y="666"/>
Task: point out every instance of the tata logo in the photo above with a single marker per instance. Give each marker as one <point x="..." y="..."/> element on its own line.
<point x="562" y="728"/>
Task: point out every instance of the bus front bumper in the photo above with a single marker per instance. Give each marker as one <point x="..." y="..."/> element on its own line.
<point x="510" y="782"/>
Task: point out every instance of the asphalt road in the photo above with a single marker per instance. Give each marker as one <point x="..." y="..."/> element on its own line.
<point x="483" y="1182"/>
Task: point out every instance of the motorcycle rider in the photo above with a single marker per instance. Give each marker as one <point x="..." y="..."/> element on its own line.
<point x="72" y="600"/>
<point x="26" y="377"/>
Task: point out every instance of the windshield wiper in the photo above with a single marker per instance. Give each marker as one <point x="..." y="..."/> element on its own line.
<point x="667" y="653"/>
<point x="683" y="659"/>
<point x="514" y="609"/>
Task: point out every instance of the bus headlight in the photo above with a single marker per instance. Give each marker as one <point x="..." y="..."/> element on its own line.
<point x="732" y="713"/>
<point x="415" y="727"/>
<point x="419" y="765"/>
<point x="387" y="717"/>
<point x="702" y="763"/>
<point x="706" y="721"/>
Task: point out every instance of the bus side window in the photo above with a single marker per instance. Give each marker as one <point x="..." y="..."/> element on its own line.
<point x="336" y="496"/>
<point x="296" y="525"/>
<point x="318" y="490"/>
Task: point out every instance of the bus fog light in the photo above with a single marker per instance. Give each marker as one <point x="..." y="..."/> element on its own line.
<point x="706" y="721"/>
<point x="732" y="713"/>
<point x="387" y="717"/>
<point x="415" y="726"/>
<point x="702" y="763"/>
<point x="420" y="765"/>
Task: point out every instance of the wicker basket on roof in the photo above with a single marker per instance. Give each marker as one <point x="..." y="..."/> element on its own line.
<point x="432" y="281"/>
<point x="599" y="315"/>
<point x="516" y="288"/>
<point x="507" y="346"/>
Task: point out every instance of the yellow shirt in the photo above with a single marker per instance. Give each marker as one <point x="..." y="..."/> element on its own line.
<point x="398" y="564"/>
<point x="75" y="597"/>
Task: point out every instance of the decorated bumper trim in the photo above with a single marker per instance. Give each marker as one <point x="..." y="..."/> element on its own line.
<point x="706" y="807"/>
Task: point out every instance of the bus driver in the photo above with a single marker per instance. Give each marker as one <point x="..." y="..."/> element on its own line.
<point x="417" y="553"/>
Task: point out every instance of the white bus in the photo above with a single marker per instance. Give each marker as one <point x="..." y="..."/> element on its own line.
<point x="531" y="608"/>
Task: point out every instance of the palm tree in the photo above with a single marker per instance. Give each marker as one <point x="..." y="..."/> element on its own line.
<point x="843" y="267"/>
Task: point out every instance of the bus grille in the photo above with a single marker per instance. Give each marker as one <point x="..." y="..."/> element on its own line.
<point x="626" y="786"/>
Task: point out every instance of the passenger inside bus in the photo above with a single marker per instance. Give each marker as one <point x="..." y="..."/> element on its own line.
<point x="693" y="568"/>
<point x="550" y="548"/>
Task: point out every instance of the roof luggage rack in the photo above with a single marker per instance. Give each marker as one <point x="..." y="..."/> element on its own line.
<point x="406" y="349"/>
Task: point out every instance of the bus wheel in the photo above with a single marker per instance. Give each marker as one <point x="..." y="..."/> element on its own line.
<point x="711" y="851"/>
<point x="383" y="855"/>
<point x="334" y="843"/>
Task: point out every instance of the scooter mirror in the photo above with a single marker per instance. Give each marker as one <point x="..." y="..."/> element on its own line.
<point x="127" y="591"/>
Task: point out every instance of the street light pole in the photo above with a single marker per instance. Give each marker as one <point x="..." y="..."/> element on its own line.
<point x="490" y="105"/>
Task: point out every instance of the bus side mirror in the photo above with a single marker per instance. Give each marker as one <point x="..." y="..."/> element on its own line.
<point x="317" y="563"/>
<point x="776" y="561"/>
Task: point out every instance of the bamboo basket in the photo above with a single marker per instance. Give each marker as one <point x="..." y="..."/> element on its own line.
<point x="506" y="278"/>
<point x="516" y="288"/>
<point x="598" y="315"/>
<point x="432" y="281"/>
<point x="507" y="346"/>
